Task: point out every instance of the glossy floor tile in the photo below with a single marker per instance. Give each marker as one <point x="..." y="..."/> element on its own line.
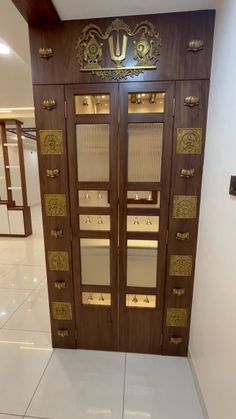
<point x="33" y="314"/>
<point x="92" y="385"/>
<point x="10" y="301"/>
<point x="159" y="387"/>
<point x="10" y="417"/>
<point x="21" y="276"/>
<point x="24" y="356"/>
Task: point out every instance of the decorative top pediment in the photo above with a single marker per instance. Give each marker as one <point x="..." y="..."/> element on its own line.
<point x="119" y="44"/>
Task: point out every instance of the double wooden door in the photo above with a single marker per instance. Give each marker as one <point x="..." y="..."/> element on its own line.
<point x="119" y="150"/>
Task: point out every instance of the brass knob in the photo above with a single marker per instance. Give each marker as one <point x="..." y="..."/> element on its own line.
<point x="52" y="173"/>
<point x="49" y="104"/>
<point x="182" y="236"/>
<point x="57" y="233"/>
<point x="60" y="285"/>
<point x="176" y="340"/>
<point x="187" y="173"/>
<point x="191" y="101"/>
<point x="178" y="292"/>
<point x="62" y="333"/>
<point x="195" y="45"/>
<point x="45" y="52"/>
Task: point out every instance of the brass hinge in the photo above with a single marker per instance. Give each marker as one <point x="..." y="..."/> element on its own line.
<point x="65" y="109"/>
<point x="174" y="102"/>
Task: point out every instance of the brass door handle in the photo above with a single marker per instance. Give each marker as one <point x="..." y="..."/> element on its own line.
<point x="57" y="233"/>
<point x="176" y="340"/>
<point x="49" y="104"/>
<point x="52" y="173"/>
<point x="182" y="236"/>
<point x="187" y="173"/>
<point x="62" y="333"/>
<point x="191" y="101"/>
<point x="60" y="285"/>
<point x="45" y="52"/>
<point x="178" y="292"/>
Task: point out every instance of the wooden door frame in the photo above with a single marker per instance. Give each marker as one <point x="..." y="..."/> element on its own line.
<point x="127" y="315"/>
<point x="94" y="318"/>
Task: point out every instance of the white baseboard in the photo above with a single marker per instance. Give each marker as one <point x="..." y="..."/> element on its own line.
<point x="198" y="388"/>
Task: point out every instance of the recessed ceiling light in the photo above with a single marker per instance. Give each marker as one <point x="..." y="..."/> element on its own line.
<point x="4" y="49"/>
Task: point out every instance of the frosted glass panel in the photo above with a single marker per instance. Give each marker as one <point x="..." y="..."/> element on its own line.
<point x="93" y="152"/>
<point x="145" y="152"/>
<point x="142" y="263"/>
<point x="92" y="104"/>
<point x="146" y="102"/>
<point x="95" y="261"/>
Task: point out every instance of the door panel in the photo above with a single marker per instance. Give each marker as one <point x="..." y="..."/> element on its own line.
<point x="93" y="161"/>
<point x="119" y="195"/>
<point x="145" y="163"/>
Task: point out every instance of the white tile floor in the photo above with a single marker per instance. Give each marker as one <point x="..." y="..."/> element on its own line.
<point x="39" y="382"/>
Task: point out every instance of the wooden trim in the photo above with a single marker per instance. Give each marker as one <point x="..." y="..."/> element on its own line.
<point x="94" y="211"/>
<point x="143" y="118"/>
<point x="22" y="164"/>
<point x="93" y="186"/>
<point x="37" y="13"/>
<point x="143" y="211"/>
<point x="140" y="186"/>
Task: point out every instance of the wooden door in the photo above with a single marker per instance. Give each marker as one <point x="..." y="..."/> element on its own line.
<point x="92" y="120"/>
<point x="119" y="148"/>
<point x="145" y="164"/>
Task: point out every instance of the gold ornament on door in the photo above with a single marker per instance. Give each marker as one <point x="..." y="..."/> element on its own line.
<point x="58" y="261"/>
<point x="51" y="142"/>
<point x="189" y="141"/>
<point x="180" y="265"/>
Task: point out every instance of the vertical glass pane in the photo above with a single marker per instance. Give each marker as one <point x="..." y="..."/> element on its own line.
<point x="142" y="263"/>
<point x="95" y="261"/>
<point x="146" y="102"/>
<point x="145" y="152"/>
<point x="94" y="199"/>
<point x="93" y="152"/>
<point x="92" y="104"/>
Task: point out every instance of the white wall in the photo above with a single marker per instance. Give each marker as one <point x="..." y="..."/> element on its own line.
<point x="213" y="330"/>
<point x="32" y="172"/>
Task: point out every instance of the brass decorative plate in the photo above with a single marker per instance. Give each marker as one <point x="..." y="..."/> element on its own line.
<point x="189" y="141"/>
<point x="185" y="206"/>
<point x="61" y="311"/>
<point x="180" y="265"/>
<point x="55" y="205"/>
<point x="177" y="317"/>
<point x="58" y="261"/>
<point x="51" y="142"/>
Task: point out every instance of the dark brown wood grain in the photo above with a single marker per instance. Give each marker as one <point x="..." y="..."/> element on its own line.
<point x="37" y="12"/>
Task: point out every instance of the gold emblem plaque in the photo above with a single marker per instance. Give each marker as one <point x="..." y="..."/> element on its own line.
<point x="185" y="206"/>
<point x="61" y="311"/>
<point x="177" y="317"/>
<point x="58" y="261"/>
<point x="55" y="205"/>
<point x="189" y="141"/>
<point x="180" y="265"/>
<point x="51" y="142"/>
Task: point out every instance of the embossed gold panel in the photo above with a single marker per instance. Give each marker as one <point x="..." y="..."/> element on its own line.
<point x="180" y="265"/>
<point x="61" y="311"/>
<point x="185" y="206"/>
<point x="51" y="142"/>
<point x="177" y="317"/>
<point x="55" y="205"/>
<point x="189" y="141"/>
<point x="58" y="261"/>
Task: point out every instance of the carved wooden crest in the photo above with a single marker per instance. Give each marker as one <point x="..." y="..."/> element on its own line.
<point x="118" y="38"/>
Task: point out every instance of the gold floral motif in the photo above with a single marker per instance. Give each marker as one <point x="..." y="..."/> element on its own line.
<point x="189" y="141"/>
<point x="51" y="142"/>
<point x="62" y="333"/>
<point x="55" y="205"/>
<point x="61" y="311"/>
<point x="58" y="261"/>
<point x="177" y="317"/>
<point x="185" y="206"/>
<point x="180" y="265"/>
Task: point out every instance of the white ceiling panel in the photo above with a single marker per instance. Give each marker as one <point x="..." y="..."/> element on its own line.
<point x="77" y="9"/>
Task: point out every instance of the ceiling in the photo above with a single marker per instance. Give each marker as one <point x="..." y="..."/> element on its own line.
<point x="15" y="70"/>
<point x="75" y="9"/>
